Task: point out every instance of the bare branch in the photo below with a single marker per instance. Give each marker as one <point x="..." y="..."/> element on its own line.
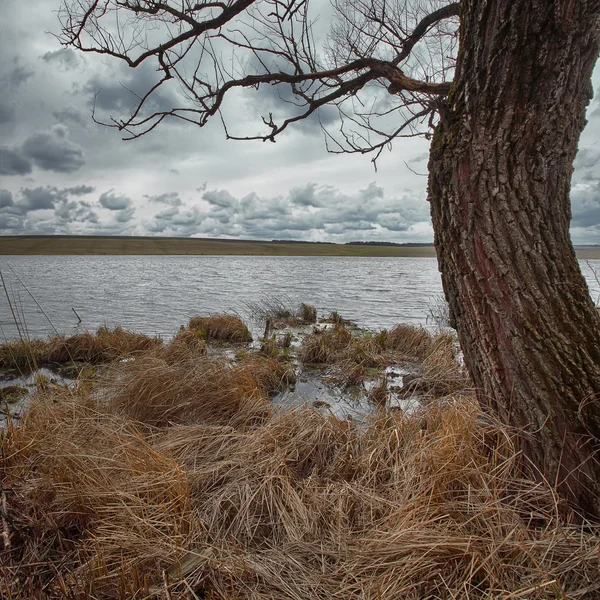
<point x="214" y="50"/>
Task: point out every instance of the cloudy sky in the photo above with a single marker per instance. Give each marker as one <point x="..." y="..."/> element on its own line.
<point x="63" y="174"/>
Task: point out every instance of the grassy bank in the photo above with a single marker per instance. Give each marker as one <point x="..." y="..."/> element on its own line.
<point x="174" y="476"/>
<point x="56" y="245"/>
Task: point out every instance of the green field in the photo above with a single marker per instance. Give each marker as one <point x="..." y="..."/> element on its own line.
<point x="56" y="245"/>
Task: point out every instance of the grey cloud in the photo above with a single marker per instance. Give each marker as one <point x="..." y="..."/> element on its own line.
<point x="12" y="162"/>
<point x="111" y="201"/>
<point x="171" y="198"/>
<point x="167" y="213"/>
<point x="220" y="198"/>
<point x="587" y="159"/>
<point x="80" y="190"/>
<point x="72" y="114"/>
<point x="125" y="215"/>
<point x="308" y="211"/>
<point x="53" y="151"/>
<point x="71" y="211"/>
<point x="6" y="198"/>
<point x="585" y="205"/>
<point x="7" y="112"/>
<point x="10" y="222"/>
<point x="281" y="102"/>
<point x="307" y="196"/>
<point x="418" y="158"/>
<point x="49" y="198"/>
<point x="66" y="58"/>
<point x="18" y="75"/>
<point x="39" y="198"/>
<point x="120" y="92"/>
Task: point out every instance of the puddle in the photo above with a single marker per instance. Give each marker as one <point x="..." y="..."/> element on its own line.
<point x="312" y="388"/>
<point x="16" y="402"/>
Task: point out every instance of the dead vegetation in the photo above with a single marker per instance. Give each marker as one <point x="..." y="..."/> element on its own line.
<point x="224" y="328"/>
<point x="353" y="354"/>
<point x="282" y="312"/>
<point x="103" y="346"/>
<point x="173" y="477"/>
<point x="231" y="499"/>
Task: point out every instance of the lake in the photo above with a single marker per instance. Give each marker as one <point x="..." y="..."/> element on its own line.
<point x="157" y="294"/>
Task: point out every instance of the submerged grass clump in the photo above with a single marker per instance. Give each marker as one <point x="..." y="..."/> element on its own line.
<point x="225" y="328"/>
<point x="282" y="312"/>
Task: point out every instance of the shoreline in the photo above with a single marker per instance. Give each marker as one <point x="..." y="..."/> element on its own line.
<point x="122" y="246"/>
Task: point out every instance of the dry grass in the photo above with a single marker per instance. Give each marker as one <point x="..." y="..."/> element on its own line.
<point x="439" y="373"/>
<point x="409" y="340"/>
<point x="282" y="312"/>
<point x="186" y="342"/>
<point x="153" y="392"/>
<point x="174" y="478"/>
<point x="326" y="347"/>
<point x="91" y="508"/>
<point x="351" y="354"/>
<point x="105" y="345"/>
<point x="225" y="328"/>
<point x="293" y="505"/>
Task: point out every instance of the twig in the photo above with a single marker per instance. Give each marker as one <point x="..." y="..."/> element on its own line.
<point x="5" y="529"/>
<point x="166" y="582"/>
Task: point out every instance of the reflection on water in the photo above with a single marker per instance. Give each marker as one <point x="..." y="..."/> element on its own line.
<point x="156" y="294"/>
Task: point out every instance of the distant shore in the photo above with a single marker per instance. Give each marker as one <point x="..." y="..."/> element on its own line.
<point x="112" y="245"/>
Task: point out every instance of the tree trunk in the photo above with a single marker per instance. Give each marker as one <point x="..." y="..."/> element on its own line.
<point x="500" y="172"/>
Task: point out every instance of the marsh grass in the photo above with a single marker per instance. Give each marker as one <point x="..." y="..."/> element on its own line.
<point x="185" y="343"/>
<point x="221" y="327"/>
<point x="411" y="341"/>
<point x="246" y="504"/>
<point x="173" y="477"/>
<point x="280" y="312"/>
<point x="352" y="354"/>
<point x="103" y="346"/>
<point x="439" y="373"/>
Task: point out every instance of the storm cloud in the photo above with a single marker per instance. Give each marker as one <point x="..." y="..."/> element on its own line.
<point x="53" y="151"/>
<point x="64" y="173"/>
<point x="112" y="201"/>
<point x="12" y="162"/>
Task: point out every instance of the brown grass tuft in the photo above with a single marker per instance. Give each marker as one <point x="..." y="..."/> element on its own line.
<point x="187" y="342"/>
<point x="409" y="340"/>
<point x="326" y="347"/>
<point x="196" y="389"/>
<point x="269" y="373"/>
<point x="105" y="345"/>
<point x="93" y="508"/>
<point x="439" y="373"/>
<point x="226" y="328"/>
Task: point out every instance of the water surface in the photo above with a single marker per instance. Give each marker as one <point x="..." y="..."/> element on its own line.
<point x="156" y="294"/>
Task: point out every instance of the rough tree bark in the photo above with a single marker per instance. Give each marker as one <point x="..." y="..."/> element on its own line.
<point x="500" y="171"/>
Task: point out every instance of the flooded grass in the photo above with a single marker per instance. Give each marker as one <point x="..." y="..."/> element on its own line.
<point x="194" y="471"/>
<point x="105" y="345"/>
<point x="225" y="328"/>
